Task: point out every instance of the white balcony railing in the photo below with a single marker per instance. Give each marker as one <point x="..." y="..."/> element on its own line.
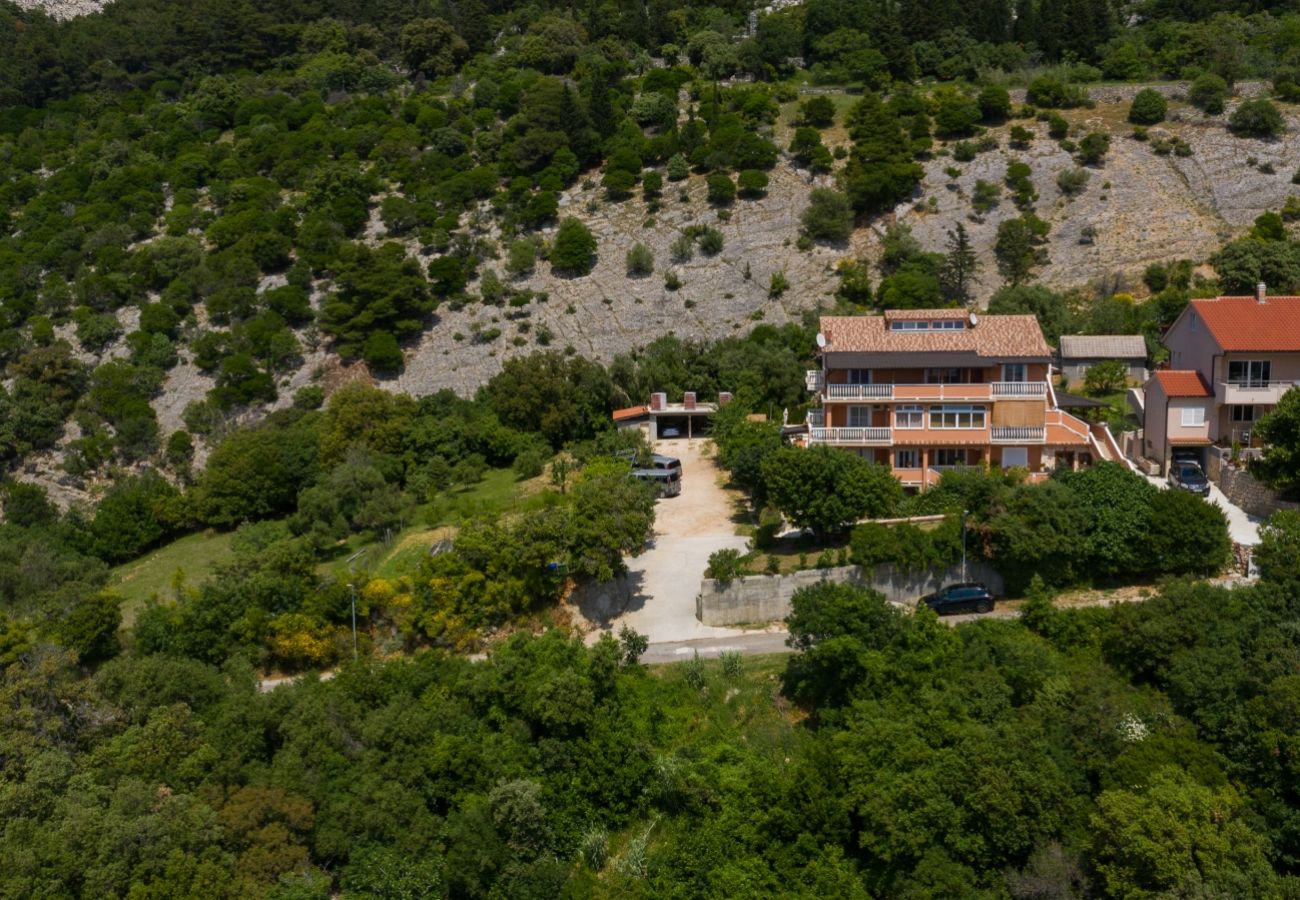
<point x="814" y="379"/>
<point x="979" y="390"/>
<point x="859" y="391"/>
<point x="1249" y="393"/>
<point x="849" y="436"/>
<point x="816" y="418"/>
<point x="1018" y="434"/>
<point x="1020" y="389"/>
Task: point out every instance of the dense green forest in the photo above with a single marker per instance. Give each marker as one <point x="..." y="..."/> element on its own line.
<point x="233" y="184"/>
<point x="1140" y="751"/>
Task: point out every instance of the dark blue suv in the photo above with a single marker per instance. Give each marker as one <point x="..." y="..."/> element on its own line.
<point x="969" y="596"/>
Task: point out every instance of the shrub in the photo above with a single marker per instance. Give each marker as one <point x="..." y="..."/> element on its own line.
<point x="677" y="167"/>
<point x="521" y="258"/>
<point x="1020" y="136"/>
<point x="778" y="285"/>
<point x="1208" y="93"/>
<point x="752" y="183"/>
<point x="1148" y="108"/>
<point x="710" y="242"/>
<point x="722" y="190"/>
<point x="963" y="151"/>
<point x="828" y="216"/>
<point x="1072" y="181"/>
<point x="985" y="196"/>
<point x="382" y="352"/>
<point x="682" y="249"/>
<point x="1092" y="149"/>
<point x="1256" y="118"/>
<point x="640" y="261"/>
<point x="1050" y="92"/>
<point x="1057" y="126"/>
<point x="817" y="111"/>
<point x="725" y="565"/>
<point x="652" y="184"/>
<point x="574" y="250"/>
<point x="994" y="103"/>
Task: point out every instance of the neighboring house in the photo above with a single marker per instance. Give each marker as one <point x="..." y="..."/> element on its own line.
<point x="1177" y="413"/>
<point x="928" y="390"/>
<point x="1080" y="352"/>
<point x="1246" y="351"/>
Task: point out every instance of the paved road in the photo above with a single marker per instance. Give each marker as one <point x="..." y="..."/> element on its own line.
<point x="752" y="644"/>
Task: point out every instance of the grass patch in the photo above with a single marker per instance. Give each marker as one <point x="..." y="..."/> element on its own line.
<point x="197" y="555"/>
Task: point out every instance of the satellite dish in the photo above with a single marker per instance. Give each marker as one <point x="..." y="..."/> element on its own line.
<point x="974" y="320"/>
<point x="821" y="340"/>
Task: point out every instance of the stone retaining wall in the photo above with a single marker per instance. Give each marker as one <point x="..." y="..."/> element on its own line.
<point x="766" y="598"/>
<point x="1242" y="489"/>
<point x="1124" y="93"/>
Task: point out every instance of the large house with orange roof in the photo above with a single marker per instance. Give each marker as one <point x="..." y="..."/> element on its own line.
<point x="928" y="390"/>
<point x="1231" y="359"/>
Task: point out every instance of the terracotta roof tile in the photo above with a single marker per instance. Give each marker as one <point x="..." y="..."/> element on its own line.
<point x="1182" y="383"/>
<point x="1243" y="324"/>
<point x="993" y="337"/>
<point x="630" y="412"/>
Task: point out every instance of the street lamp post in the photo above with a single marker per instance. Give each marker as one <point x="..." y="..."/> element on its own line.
<point x="964" y="514"/>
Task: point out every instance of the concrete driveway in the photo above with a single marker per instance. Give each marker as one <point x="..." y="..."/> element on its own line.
<point x="657" y="597"/>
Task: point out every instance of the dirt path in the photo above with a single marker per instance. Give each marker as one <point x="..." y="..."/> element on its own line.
<point x="657" y="598"/>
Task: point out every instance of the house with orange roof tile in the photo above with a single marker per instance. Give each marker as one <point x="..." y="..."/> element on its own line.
<point x="1231" y="359"/>
<point x="924" y="391"/>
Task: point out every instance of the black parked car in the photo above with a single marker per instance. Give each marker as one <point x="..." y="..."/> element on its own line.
<point x="970" y="596"/>
<point x="1189" y="477"/>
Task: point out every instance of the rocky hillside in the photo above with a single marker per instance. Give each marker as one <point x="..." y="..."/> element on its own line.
<point x="64" y="9"/>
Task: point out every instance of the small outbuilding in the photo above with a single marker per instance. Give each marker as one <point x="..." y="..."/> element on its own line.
<point x="1080" y="352"/>
<point x="661" y="420"/>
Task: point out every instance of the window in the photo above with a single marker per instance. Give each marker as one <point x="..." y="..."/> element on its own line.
<point x="1015" y="456"/>
<point x="859" y="376"/>
<point x="1250" y="373"/>
<point x="924" y="325"/>
<point x="859" y="416"/>
<point x="1243" y="413"/>
<point x="948" y="456"/>
<point x="907" y="459"/>
<point x="945" y="376"/>
<point x="909" y="417"/>
<point x="1014" y="372"/>
<point x="956" y="417"/>
<point x="1193" y="416"/>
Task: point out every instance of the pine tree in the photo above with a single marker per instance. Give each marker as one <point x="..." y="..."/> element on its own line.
<point x="959" y="266"/>
<point x="880" y="171"/>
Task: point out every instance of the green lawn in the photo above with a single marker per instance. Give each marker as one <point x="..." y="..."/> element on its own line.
<point x="197" y="555"/>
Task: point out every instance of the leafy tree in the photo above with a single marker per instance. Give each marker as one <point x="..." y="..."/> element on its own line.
<point x="1279" y="429"/>
<point x="90" y="629"/>
<point x="752" y="183"/>
<point x="1119" y="508"/>
<point x="828" y="216"/>
<point x="1208" y="93"/>
<point x="817" y="111"/>
<point x="1106" y="377"/>
<point x="1212" y="850"/>
<point x="1256" y="118"/>
<point x="1148" y="107"/>
<point x="136" y="514"/>
<point x="574" y="250"/>
<point x="562" y="399"/>
<point x="1188" y="535"/>
<point x="1278" y="551"/>
<point x="256" y="474"/>
<point x="824" y="489"/>
<point x="27" y="505"/>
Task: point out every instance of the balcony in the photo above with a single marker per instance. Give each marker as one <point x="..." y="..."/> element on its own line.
<point x="816" y="418"/>
<point x="994" y="390"/>
<point x="851" y="437"/>
<point x="1252" y="393"/>
<point x="814" y="379"/>
<point x="1018" y="434"/>
<point x="1008" y="390"/>
<point x="859" y="391"/>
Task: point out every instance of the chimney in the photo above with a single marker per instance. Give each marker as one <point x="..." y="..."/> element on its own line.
<point x="688" y="399"/>
<point x="724" y="397"/>
<point x="1261" y="293"/>
<point x="658" y="401"/>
